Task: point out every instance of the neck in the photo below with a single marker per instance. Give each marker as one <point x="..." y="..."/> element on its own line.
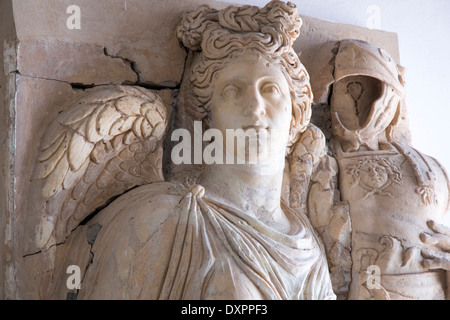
<point x="252" y="189"/>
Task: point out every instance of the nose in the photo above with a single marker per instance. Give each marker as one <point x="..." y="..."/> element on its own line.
<point x="255" y="105"/>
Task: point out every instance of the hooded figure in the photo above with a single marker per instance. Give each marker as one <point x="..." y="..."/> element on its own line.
<point x="393" y="190"/>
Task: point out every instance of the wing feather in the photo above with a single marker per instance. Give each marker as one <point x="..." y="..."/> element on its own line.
<point x="79" y="150"/>
<point x="52" y="149"/>
<point x="79" y="112"/>
<point x="73" y="176"/>
<point x="127" y="124"/>
<point x="106" y="118"/>
<point x="92" y="129"/>
<point x="45" y="167"/>
<point x="137" y="127"/>
<point x="104" y="180"/>
<point x="128" y="107"/>
<point x="100" y="147"/>
<point x="56" y="178"/>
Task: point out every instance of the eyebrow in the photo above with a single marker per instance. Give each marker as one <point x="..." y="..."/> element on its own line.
<point x="238" y="82"/>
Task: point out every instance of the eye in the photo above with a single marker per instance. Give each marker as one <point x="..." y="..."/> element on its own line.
<point x="270" y="89"/>
<point x="230" y="91"/>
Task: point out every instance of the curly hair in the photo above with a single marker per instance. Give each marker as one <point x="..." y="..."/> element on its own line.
<point x="223" y="35"/>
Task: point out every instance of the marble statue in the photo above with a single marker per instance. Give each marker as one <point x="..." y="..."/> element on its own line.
<point x="354" y="213"/>
<point x="394" y="234"/>
<point x="234" y="233"/>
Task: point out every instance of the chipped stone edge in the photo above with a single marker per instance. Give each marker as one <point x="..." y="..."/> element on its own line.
<point x="9" y="70"/>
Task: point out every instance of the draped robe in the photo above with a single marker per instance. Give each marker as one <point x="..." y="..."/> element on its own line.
<point x="164" y="242"/>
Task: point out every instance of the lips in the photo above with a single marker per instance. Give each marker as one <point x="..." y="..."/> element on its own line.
<point x="255" y="127"/>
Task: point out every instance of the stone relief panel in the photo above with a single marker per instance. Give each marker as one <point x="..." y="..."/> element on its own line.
<point x="224" y="234"/>
<point x="396" y="197"/>
<point x="337" y="205"/>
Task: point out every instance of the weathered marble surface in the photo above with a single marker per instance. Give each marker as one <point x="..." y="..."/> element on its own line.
<point x="48" y="67"/>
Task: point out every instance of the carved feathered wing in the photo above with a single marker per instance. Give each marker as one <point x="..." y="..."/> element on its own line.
<point x="101" y="146"/>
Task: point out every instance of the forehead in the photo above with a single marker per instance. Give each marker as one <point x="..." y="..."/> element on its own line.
<point x="249" y="68"/>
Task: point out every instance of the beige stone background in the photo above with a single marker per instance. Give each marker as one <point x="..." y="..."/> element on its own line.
<point x="47" y="67"/>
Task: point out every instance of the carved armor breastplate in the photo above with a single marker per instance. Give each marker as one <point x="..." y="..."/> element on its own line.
<point x="389" y="208"/>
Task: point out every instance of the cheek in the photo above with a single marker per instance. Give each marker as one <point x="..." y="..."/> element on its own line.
<point x="288" y="110"/>
<point x="281" y="112"/>
<point x="223" y="116"/>
<point x="218" y="119"/>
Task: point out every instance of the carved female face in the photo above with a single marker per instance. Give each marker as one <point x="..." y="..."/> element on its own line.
<point x="253" y="95"/>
